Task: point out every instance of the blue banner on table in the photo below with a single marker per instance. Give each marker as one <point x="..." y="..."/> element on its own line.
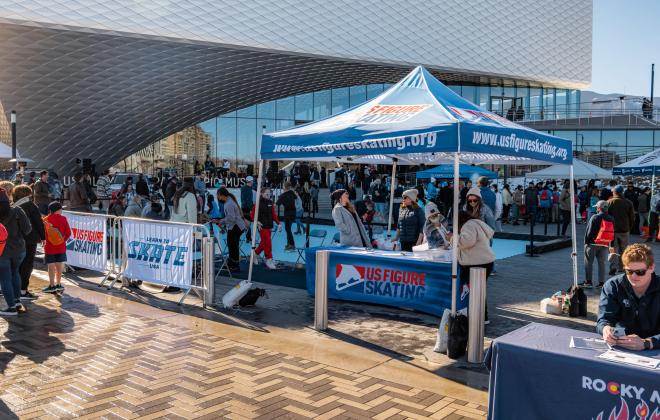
<point x="387" y="280"/>
<point x="536" y="375"/>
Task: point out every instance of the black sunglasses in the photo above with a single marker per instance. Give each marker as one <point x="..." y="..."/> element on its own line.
<point x="473" y="201"/>
<point x="638" y="272"/>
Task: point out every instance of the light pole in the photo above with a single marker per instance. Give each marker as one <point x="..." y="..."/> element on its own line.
<point x="13" y="140"/>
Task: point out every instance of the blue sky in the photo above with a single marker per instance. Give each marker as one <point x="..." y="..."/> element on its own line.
<point x="626" y="40"/>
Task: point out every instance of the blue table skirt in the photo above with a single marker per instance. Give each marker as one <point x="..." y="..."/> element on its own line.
<point x="534" y="374"/>
<point x="386" y="278"/>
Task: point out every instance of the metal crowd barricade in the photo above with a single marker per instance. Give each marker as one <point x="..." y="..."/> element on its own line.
<point x="202" y="282"/>
<point x="111" y="262"/>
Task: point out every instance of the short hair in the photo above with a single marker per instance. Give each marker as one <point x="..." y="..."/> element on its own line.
<point x="21" y="191"/>
<point x="638" y="253"/>
<point x="483" y="181"/>
<point x="42" y="173"/>
<point x="8" y="186"/>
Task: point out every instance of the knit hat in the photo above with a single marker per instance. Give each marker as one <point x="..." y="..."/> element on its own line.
<point x="474" y="191"/>
<point x="431" y="208"/>
<point x="336" y="195"/>
<point x="54" y="206"/>
<point x="4" y="198"/>
<point x="411" y="193"/>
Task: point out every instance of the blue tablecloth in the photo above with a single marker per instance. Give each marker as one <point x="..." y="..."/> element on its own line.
<point x="387" y="278"/>
<point x="534" y="374"/>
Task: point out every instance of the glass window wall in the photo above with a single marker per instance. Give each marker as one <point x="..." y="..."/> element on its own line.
<point x="357" y="95"/>
<point x="339" y="100"/>
<point x="374" y="90"/>
<point x="322" y="104"/>
<point x="285" y="108"/>
<point x="305" y="107"/>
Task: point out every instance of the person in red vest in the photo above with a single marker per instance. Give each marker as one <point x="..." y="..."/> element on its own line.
<point x="57" y="233"/>
<point x="597" y="241"/>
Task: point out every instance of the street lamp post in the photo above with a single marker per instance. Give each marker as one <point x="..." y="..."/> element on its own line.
<point x="13" y="140"/>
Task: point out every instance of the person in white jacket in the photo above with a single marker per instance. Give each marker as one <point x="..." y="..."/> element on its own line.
<point x="474" y="248"/>
<point x="184" y="207"/>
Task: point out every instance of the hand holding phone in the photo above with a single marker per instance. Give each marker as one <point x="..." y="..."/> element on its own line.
<point x="619" y="332"/>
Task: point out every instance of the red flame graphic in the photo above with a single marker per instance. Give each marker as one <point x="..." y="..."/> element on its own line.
<point x="655" y="415"/>
<point x="622" y="414"/>
<point x="600" y="416"/>
<point x="642" y="410"/>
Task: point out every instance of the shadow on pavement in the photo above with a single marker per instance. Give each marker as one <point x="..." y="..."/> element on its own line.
<point x="5" y="412"/>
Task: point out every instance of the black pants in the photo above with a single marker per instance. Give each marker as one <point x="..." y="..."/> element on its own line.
<point x="315" y="206"/>
<point x="288" y="223"/>
<point x="653" y="226"/>
<point x="248" y="234"/>
<point x="566" y="220"/>
<point x="407" y="246"/>
<point x="233" y="243"/>
<point x="25" y="269"/>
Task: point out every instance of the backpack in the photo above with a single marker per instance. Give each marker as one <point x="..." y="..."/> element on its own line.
<point x="53" y="234"/>
<point x="546" y="199"/>
<point x="251" y="297"/>
<point x="3" y="238"/>
<point x="605" y="233"/>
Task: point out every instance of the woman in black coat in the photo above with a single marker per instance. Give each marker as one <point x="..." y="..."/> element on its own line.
<point x="22" y="195"/>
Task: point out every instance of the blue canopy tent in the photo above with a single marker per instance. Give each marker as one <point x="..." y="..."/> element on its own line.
<point x="417" y="121"/>
<point x="447" y="171"/>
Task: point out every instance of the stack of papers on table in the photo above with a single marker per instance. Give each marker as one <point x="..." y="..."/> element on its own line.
<point x="630" y="359"/>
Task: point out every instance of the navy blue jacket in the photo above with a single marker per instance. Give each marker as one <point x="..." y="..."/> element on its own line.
<point x="594" y="226"/>
<point x="620" y="307"/>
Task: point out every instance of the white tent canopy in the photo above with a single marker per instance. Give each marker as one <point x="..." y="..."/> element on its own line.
<point x="581" y="170"/>
<point x="648" y="164"/>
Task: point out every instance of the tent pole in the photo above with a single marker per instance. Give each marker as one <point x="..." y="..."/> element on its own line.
<point x="651" y="200"/>
<point x="573" y="234"/>
<point x="392" y="181"/>
<point x="454" y="237"/>
<point x="260" y="180"/>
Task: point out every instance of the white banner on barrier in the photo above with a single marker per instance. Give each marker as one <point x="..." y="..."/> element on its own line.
<point x="158" y="252"/>
<point x="87" y="247"/>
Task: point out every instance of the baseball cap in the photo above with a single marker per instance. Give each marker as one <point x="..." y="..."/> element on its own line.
<point x="602" y="204"/>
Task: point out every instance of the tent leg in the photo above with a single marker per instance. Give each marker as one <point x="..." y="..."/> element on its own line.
<point x="260" y="180"/>
<point x="392" y="182"/>
<point x="454" y="238"/>
<point x="651" y="200"/>
<point x="573" y="234"/>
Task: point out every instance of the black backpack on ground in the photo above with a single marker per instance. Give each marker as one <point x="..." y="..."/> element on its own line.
<point x="251" y="297"/>
<point x="457" y="336"/>
<point x="577" y="301"/>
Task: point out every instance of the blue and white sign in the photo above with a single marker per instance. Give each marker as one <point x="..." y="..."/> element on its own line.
<point x="158" y="252"/>
<point x="418" y="120"/>
<point x="387" y="278"/>
<point x="648" y="164"/>
<point x="87" y="246"/>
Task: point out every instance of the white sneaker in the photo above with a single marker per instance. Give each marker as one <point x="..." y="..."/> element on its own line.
<point x="271" y="264"/>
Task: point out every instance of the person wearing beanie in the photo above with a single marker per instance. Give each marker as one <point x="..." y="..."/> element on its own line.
<point x="410" y="227"/>
<point x="347" y="221"/>
<point x="18" y="226"/>
<point x="597" y="239"/>
<point x="623" y="212"/>
<point x="435" y="228"/>
<point x="57" y="233"/>
<point x="184" y="203"/>
<point x="476" y="207"/>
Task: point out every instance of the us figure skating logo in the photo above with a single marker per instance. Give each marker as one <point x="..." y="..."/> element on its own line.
<point x="347" y="276"/>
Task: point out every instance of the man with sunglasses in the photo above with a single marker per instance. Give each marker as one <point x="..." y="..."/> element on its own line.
<point x="631" y="301"/>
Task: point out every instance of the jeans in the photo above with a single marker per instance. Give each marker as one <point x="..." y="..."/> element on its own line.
<point x="289" y="235"/>
<point x="643" y="220"/>
<point x="515" y="213"/>
<point x="619" y="244"/>
<point x="380" y="208"/>
<point x="10" y="279"/>
<point x="27" y="264"/>
<point x="598" y="253"/>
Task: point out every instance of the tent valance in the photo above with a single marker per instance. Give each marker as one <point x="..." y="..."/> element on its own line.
<point x="648" y="164"/>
